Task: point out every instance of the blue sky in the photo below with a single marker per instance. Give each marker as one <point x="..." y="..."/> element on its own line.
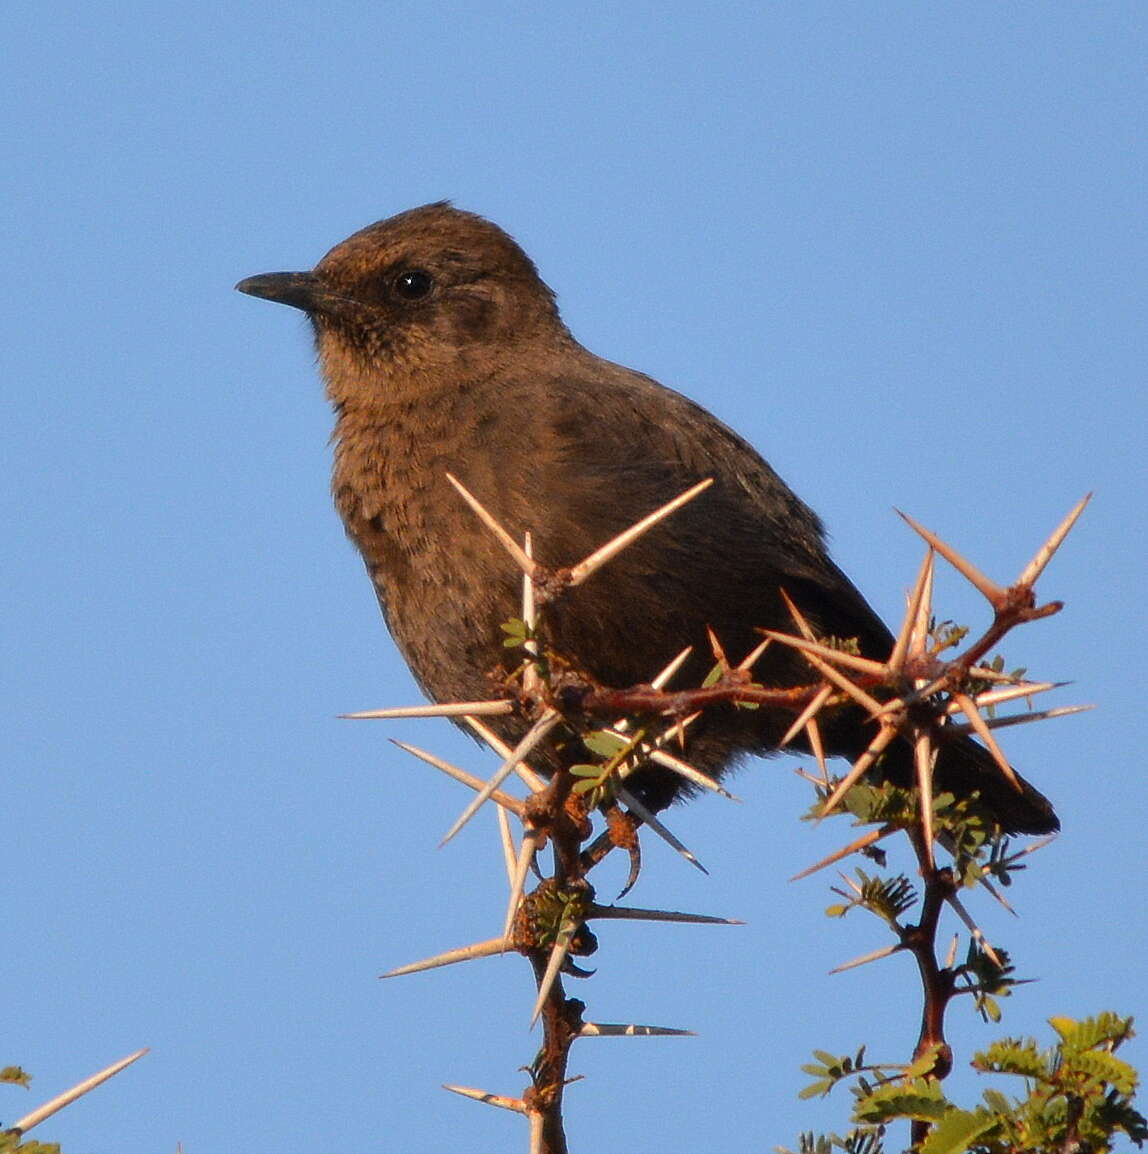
<point x="900" y="247"/>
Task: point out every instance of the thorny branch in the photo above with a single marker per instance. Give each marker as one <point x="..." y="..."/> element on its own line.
<point x="916" y="692"/>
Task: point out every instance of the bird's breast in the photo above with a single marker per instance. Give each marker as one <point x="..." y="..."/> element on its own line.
<point x="443" y="582"/>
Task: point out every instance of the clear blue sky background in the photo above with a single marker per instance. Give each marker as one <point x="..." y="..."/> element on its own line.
<point x="901" y="247"/>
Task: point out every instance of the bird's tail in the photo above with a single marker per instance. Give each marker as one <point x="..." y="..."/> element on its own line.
<point x="964" y="767"/>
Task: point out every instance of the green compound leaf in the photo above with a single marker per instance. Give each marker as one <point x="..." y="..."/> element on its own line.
<point x="1012" y="1056"/>
<point x="957" y="1131"/>
<point x="1105" y="1029"/>
<point x="922" y="1100"/>
<point x="1098" y="1066"/>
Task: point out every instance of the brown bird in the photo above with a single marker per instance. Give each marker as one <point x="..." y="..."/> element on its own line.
<point x="443" y="352"/>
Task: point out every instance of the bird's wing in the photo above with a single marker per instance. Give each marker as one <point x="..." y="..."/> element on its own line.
<point x="606" y="446"/>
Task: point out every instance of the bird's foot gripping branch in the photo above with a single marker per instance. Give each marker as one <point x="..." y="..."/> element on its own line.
<point x="938" y="684"/>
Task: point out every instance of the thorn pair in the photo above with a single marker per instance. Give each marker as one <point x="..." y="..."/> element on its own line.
<point x="588" y="566"/>
<point x="998" y="596"/>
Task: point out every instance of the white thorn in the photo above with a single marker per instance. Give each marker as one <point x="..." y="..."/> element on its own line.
<point x="23" y="1125"/>
<point x="537" y="732"/>
<point x="611" y="549"/>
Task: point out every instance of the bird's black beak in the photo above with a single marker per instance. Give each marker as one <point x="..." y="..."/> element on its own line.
<point x="306" y="291"/>
<point x="300" y="290"/>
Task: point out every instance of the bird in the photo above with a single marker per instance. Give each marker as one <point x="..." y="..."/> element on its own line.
<point x="443" y="352"/>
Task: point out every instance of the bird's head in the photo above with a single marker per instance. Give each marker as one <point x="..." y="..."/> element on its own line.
<point x="431" y="291"/>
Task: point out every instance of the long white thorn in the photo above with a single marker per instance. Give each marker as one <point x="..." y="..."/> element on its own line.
<point x="684" y="769"/>
<point x="530" y="677"/>
<point x="1045" y="553"/>
<point x="919" y="634"/>
<point x="992" y="592"/>
<point x="54" y="1105"/>
<point x="923" y="760"/>
<point x="803" y="626"/>
<point x="896" y="659"/>
<point x="750" y="659"/>
<point x="611" y="549"/>
<point x="813" y="732"/>
<point x="863" y="842"/>
<point x="807" y="715"/>
<point x="876" y="748"/>
<point x="663" y="678"/>
<point x="488" y="1099"/>
<point x="557" y="956"/>
<point x="485" y="949"/>
<point x="619" y="1030"/>
<point x="504" y="800"/>
<point x="1025" y="718"/>
<point x="969" y="709"/>
<point x="997" y="895"/>
<point x="648" y="818"/>
<point x="504" y="538"/>
<point x="525" y="774"/>
<point x="506" y="839"/>
<point x="518" y="877"/>
<point x="447" y="709"/>
<point x="974" y="929"/>
<point x="993" y="697"/>
<point x="837" y="678"/>
<point x="834" y="656"/>
<point x="537" y="733"/>
<point x="876" y="955"/>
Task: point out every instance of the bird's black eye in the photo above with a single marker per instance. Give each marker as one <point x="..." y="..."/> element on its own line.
<point x="414" y="284"/>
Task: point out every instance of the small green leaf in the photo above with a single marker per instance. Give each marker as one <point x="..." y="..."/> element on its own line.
<point x="604" y="743"/>
<point x="516" y="632"/>
<point x="817" y="1089"/>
